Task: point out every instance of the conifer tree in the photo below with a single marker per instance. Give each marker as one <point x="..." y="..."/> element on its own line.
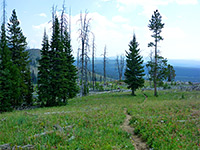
<point x="161" y="67"/>
<point x="59" y="67"/>
<point x="43" y="74"/>
<point x="17" y="45"/>
<point x="171" y="73"/>
<point x="57" y="74"/>
<point x="155" y="25"/>
<point x="71" y="69"/>
<point x="134" y="69"/>
<point x="9" y="76"/>
<point x="55" y="64"/>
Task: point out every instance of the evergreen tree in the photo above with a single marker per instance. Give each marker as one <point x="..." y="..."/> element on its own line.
<point x="71" y="77"/>
<point x="17" y="45"/>
<point x="162" y="72"/>
<point x="134" y="69"/>
<point x="155" y="26"/>
<point x="9" y="76"/>
<point x="57" y="74"/>
<point x="57" y="66"/>
<point x="171" y="73"/>
<point x="43" y="74"/>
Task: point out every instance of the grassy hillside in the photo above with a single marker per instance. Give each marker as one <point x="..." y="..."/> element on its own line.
<point x="170" y="121"/>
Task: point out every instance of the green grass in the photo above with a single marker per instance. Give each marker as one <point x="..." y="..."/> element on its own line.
<point x="93" y="122"/>
<point x="170" y="121"/>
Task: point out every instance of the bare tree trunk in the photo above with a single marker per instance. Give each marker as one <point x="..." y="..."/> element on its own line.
<point x="4" y="12"/>
<point x="82" y="54"/>
<point x="155" y="71"/>
<point x="93" y="75"/>
<point x="70" y="23"/>
<point x="120" y="65"/>
<point x="84" y="36"/>
<point x="82" y="68"/>
<point x="118" y="70"/>
<point x="104" y="65"/>
<point x="78" y="65"/>
<point x="53" y="17"/>
<point x="86" y="73"/>
<point x="62" y="21"/>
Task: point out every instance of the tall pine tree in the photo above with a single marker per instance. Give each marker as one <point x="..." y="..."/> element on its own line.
<point x="134" y="69"/>
<point x="156" y="26"/>
<point x="17" y="45"/>
<point x="57" y="74"/>
<point x="71" y="69"/>
<point x="56" y="66"/>
<point x="9" y="76"/>
<point x="43" y="74"/>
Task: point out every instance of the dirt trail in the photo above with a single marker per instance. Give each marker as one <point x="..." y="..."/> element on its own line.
<point x="136" y="141"/>
<point x="146" y="97"/>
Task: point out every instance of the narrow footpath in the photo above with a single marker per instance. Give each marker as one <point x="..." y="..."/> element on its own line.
<point x="136" y="141"/>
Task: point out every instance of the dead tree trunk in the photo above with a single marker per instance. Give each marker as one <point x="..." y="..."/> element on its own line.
<point x="84" y="38"/>
<point x="93" y="72"/>
<point x="120" y="65"/>
<point x="155" y="71"/>
<point x="78" y="64"/>
<point x="86" y="70"/>
<point x="104" y="65"/>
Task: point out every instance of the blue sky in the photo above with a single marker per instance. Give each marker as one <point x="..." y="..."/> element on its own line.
<point x="114" y="21"/>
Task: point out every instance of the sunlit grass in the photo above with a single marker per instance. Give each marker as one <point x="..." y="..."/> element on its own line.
<point x="93" y="122"/>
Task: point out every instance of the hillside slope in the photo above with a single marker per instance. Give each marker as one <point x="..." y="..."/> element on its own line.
<point x="170" y="121"/>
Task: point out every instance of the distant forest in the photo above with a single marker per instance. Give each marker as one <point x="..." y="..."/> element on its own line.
<point x="183" y="74"/>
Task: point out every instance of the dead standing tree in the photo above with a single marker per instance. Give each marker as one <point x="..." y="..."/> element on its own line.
<point x="120" y="65"/>
<point x="104" y="65"/>
<point x="87" y="59"/>
<point x="63" y="21"/>
<point x="78" y="64"/>
<point x="84" y="31"/>
<point x="93" y="55"/>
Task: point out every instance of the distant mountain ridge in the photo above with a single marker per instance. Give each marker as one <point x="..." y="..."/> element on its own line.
<point x="186" y="70"/>
<point x="185" y="63"/>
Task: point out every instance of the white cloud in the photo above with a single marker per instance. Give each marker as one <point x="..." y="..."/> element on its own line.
<point x="119" y="19"/>
<point x="156" y="2"/>
<point x="120" y="8"/>
<point x="186" y="2"/>
<point x="129" y="28"/>
<point x="42" y="26"/>
<point x="144" y="2"/>
<point x="43" y="15"/>
<point x="36" y="40"/>
<point x="150" y="5"/>
<point x="174" y="33"/>
<point x="107" y="32"/>
<point x="118" y="35"/>
<point x="106" y="0"/>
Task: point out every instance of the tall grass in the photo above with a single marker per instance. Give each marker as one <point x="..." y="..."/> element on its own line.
<point x="93" y="122"/>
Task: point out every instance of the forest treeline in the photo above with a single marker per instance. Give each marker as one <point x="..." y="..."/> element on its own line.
<point x="58" y="78"/>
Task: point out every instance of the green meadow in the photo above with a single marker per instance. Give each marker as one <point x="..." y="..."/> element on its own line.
<point x="169" y="121"/>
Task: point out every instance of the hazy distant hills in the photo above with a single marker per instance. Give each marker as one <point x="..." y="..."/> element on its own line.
<point x="35" y="55"/>
<point x="186" y="70"/>
<point x="185" y="63"/>
<point x="188" y="73"/>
